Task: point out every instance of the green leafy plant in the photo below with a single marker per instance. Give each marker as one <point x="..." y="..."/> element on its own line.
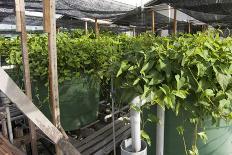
<point x="185" y="73"/>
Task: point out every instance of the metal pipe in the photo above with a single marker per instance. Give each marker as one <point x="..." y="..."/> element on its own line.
<point x="135" y="125"/>
<point x="116" y="112"/>
<point x="86" y="27"/>
<point x="112" y="97"/>
<point x="9" y="125"/>
<point x="160" y="131"/>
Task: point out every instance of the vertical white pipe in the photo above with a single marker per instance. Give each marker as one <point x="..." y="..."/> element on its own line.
<point x="160" y="131"/>
<point x="9" y="125"/>
<point x="86" y="27"/>
<point x="134" y="32"/>
<point x="6" y="102"/>
<point x="135" y="125"/>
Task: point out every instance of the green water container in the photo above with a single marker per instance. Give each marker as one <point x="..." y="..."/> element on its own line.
<point x="79" y="102"/>
<point x="219" y="138"/>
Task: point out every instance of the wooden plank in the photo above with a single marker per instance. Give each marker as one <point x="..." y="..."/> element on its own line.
<point x="96" y="28"/>
<point x="46" y="16"/>
<point x="18" y="16"/>
<point x="98" y="138"/>
<point x="109" y="147"/>
<point x="105" y="141"/>
<point x="27" y="81"/>
<point x="4" y="150"/>
<point x="11" y="148"/>
<point x="16" y="95"/>
<point x="3" y="122"/>
<point x="189" y="27"/>
<point x="50" y="27"/>
<point x="153" y="20"/>
<point x="53" y="77"/>
<point x="174" y="23"/>
<point x="99" y="132"/>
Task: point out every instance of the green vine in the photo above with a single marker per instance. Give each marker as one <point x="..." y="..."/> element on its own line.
<point x="187" y="73"/>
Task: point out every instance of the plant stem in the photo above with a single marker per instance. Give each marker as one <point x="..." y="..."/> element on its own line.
<point x="185" y="146"/>
<point x="195" y="135"/>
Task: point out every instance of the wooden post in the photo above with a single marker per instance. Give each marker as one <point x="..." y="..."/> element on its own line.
<point x="96" y="28"/>
<point x="133" y="30"/>
<point x="153" y="20"/>
<point x="174" y="23"/>
<point x="21" y="27"/>
<point x="4" y="126"/>
<point x="50" y="28"/>
<point x="86" y="27"/>
<point x="189" y="27"/>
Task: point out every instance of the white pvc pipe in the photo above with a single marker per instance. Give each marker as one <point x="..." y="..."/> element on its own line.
<point x="135" y="125"/>
<point x="6" y="102"/>
<point x="86" y="27"/>
<point x="160" y="131"/>
<point x="9" y="125"/>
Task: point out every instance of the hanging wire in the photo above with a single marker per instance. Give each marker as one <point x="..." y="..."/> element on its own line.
<point x="113" y="101"/>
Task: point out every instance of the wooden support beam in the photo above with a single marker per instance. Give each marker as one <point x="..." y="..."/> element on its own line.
<point x="46" y="15"/>
<point x="18" y="8"/>
<point x="21" y="27"/>
<point x="4" y="126"/>
<point x="50" y="28"/>
<point x="153" y="20"/>
<point x="86" y="27"/>
<point x="189" y="27"/>
<point x="16" y="95"/>
<point x="175" y="22"/>
<point x="96" y="28"/>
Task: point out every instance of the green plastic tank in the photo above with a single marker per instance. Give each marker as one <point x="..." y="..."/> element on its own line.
<point x="219" y="138"/>
<point x="79" y="102"/>
<point x="78" y="98"/>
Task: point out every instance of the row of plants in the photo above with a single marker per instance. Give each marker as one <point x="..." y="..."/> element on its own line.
<point x="186" y="73"/>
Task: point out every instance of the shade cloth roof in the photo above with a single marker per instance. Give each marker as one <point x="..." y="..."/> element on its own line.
<point x="213" y="12"/>
<point x="102" y="9"/>
<point x="223" y="7"/>
<point x="73" y="9"/>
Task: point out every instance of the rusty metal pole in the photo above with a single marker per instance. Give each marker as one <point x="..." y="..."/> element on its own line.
<point x="20" y="13"/>
<point x="174" y="23"/>
<point x="153" y="20"/>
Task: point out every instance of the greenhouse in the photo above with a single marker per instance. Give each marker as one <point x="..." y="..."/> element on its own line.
<point x="115" y="77"/>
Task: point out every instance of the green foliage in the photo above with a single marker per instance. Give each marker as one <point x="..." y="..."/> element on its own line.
<point x="146" y="137"/>
<point x="78" y="54"/>
<point x="185" y="73"/>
